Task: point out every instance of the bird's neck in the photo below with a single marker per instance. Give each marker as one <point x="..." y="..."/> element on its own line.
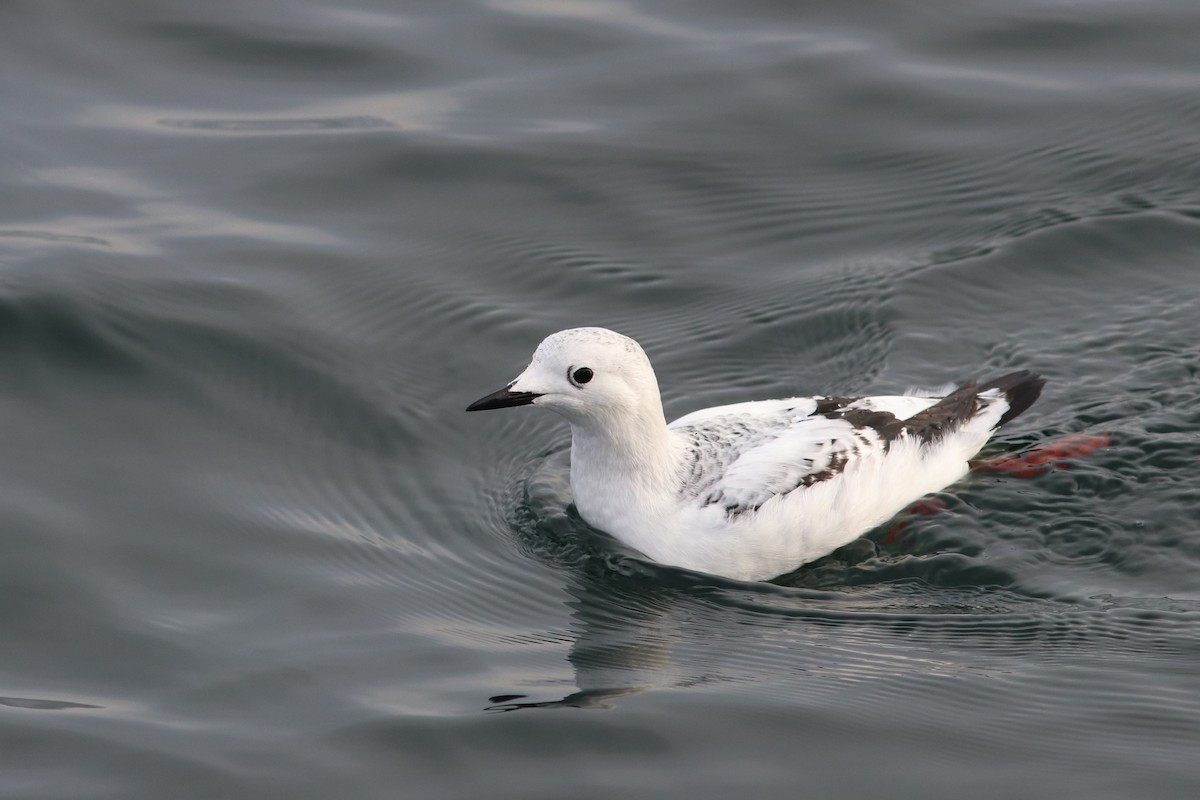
<point x="614" y="465"/>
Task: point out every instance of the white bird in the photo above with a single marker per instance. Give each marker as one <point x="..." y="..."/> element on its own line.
<point x="751" y="490"/>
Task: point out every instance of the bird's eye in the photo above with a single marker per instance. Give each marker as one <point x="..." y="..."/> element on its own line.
<point x="581" y="375"/>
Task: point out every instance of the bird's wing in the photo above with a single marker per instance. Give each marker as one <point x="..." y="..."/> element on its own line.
<point x="743" y="455"/>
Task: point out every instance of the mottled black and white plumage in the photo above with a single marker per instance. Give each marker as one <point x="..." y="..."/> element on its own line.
<point x="755" y="489"/>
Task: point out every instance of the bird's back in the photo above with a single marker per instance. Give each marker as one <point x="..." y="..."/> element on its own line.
<point x="767" y="486"/>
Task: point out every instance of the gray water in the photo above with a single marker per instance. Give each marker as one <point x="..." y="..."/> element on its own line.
<point x="256" y="258"/>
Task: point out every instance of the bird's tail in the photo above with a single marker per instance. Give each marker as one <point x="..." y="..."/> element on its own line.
<point x="963" y="406"/>
<point x="1020" y="389"/>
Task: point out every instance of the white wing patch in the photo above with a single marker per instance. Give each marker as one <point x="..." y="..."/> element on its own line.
<point x="814" y="450"/>
<point x="743" y="455"/>
<point x="900" y="406"/>
<point x="765" y="410"/>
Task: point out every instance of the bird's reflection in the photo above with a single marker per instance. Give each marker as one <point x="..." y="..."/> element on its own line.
<point x="638" y="626"/>
<point x="625" y="628"/>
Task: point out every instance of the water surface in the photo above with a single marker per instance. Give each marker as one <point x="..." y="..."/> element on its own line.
<point x="255" y="260"/>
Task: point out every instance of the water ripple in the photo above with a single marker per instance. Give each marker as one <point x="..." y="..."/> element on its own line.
<point x="315" y="124"/>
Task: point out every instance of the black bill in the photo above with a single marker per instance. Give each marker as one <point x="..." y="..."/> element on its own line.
<point x="503" y="399"/>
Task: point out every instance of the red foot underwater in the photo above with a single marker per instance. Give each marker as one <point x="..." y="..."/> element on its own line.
<point x="1045" y="457"/>
<point x="1035" y="461"/>
<point x="926" y="508"/>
